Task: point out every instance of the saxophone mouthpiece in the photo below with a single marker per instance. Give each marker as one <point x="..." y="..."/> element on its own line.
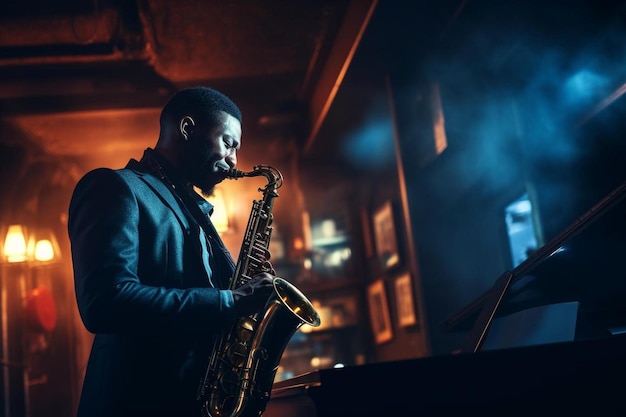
<point x="273" y="176"/>
<point x="234" y="173"/>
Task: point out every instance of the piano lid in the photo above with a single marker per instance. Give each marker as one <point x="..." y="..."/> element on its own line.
<point x="584" y="263"/>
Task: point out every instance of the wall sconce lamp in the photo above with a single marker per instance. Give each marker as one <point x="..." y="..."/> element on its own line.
<point x="43" y="250"/>
<point x="22" y="250"/>
<point x="43" y="247"/>
<point x="20" y="246"/>
<point x="14" y="249"/>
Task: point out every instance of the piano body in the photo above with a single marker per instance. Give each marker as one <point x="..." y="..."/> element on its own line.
<point x="579" y="378"/>
<point x="582" y="266"/>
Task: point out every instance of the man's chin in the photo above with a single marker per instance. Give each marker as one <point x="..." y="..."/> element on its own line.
<point x="208" y="187"/>
<point x="207" y="192"/>
<point x="209" y="179"/>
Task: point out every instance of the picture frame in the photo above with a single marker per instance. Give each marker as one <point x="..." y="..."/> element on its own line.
<point x="405" y="305"/>
<point x="385" y="236"/>
<point x="379" y="312"/>
<point x="420" y="113"/>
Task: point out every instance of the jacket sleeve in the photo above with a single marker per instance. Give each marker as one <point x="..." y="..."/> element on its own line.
<point x="103" y="226"/>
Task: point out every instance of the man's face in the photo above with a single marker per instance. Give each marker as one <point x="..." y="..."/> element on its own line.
<point x="212" y="151"/>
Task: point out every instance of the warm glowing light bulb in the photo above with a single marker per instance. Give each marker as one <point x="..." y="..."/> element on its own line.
<point x="44" y="251"/>
<point x="15" y="244"/>
<point x="307" y="263"/>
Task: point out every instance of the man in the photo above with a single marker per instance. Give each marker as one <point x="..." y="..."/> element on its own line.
<point x="150" y="269"/>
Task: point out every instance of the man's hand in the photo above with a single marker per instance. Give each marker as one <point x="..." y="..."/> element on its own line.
<point x="251" y="297"/>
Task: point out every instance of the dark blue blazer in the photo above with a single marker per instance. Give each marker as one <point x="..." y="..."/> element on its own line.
<point x="143" y="289"/>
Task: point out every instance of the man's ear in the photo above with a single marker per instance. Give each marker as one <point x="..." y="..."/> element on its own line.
<point x="186" y="126"/>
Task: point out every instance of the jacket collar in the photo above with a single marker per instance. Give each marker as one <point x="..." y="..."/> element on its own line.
<point x="160" y="188"/>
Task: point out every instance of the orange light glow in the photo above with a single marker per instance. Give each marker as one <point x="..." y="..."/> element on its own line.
<point x="15" y="244"/>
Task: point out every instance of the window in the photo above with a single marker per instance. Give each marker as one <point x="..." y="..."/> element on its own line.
<point x="520" y="229"/>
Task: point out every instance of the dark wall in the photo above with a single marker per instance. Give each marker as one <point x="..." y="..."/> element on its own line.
<point x="530" y="96"/>
<point x="519" y="83"/>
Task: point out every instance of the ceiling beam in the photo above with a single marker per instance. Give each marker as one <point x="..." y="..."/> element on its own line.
<point x="348" y="38"/>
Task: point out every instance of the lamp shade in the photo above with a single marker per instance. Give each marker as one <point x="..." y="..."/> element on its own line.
<point x="14" y="249"/>
<point x="43" y="250"/>
<point x="43" y="246"/>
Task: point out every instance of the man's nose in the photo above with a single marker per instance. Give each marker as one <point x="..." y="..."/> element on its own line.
<point x="231" y="159"/>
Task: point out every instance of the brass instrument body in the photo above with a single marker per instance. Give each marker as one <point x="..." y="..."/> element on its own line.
<point x="243" y="364"/>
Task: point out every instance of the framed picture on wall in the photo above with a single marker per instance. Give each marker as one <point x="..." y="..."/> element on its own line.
<point x="379" y="312"/>
<point x="385" y="236"/>
<point x="404" y="300"/>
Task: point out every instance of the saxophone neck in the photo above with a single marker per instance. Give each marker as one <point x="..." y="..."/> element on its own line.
<point x="273" y="176"/>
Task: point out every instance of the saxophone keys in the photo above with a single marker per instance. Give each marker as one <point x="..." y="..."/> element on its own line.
<point x="245" y="329"/>
<point x="237" y="354"/>
<point x="229" y="382"/>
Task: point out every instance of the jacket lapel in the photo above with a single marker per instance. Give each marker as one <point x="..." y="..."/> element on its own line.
<point x="161" y="190"/>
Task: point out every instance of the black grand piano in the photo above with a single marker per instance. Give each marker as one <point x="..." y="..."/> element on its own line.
<point x="582" y="267"/>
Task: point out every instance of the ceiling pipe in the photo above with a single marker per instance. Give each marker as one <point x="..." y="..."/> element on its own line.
<point x="59" y="40"/>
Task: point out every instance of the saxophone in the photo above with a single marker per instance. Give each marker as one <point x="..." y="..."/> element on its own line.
<point x="244" y="360"/>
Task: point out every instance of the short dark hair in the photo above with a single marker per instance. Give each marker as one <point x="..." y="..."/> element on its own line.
<point x="199" y="103"/>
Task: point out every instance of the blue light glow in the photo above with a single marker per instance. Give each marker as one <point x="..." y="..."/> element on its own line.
<point x="372" y="145"/>
<point x="585" y="85"/>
